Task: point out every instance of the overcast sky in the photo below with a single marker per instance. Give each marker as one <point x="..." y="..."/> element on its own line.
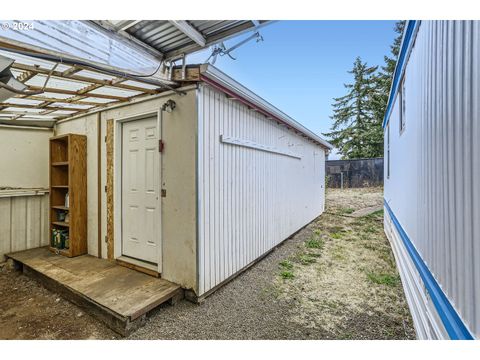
<point x="301" y="65"/>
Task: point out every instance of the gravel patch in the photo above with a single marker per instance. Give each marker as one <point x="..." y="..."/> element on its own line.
<point x="335" y="279"/>
<point x="248" y="307"/>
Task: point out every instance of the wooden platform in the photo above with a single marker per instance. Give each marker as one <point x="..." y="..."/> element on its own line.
<point x="114" y="294"/>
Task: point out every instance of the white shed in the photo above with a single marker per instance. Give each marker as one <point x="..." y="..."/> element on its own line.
<point x="432" y="199"/>
<point x="183" y="174"/>
<point x="194" y="184"/>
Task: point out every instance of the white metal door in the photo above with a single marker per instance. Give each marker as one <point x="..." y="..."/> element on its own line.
<point x="140" y="190"/>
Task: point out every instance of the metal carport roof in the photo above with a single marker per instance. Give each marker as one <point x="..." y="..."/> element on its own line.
<point x="172" y="38"/>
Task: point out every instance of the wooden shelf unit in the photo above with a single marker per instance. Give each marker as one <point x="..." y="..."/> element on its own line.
<point x="68" y="174"/>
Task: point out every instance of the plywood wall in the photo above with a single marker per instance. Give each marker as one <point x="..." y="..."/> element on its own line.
<point x="24" y="154"/>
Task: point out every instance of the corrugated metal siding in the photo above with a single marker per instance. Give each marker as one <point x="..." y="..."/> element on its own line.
<point x="249" y="200"/>
<point x="23" y="223"/>
<point x="442" y="130"/>
<point x="166" y="38"/>
<point x="427" y="323"/>
<point x="79" y="38"/>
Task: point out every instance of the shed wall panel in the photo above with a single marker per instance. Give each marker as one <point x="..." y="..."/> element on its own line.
<point x="249" y="199"/>
<point x="23" y="223"/>
<point x="24" y="157"/>
<point x="435" y="163"/>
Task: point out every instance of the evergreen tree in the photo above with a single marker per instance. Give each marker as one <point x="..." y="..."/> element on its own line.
<point x="353" y="114"/>
<point x="385" y="75"/>
<point x="358" y="116"/>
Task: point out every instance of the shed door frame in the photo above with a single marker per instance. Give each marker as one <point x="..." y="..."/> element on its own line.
<point x="117" y="183"/>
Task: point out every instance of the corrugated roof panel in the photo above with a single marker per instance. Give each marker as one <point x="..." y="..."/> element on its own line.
<point x="95" y="75"/>
<point x="107" y="90"/>
<point x="21" y="101"/>
<point x="73" y="106"/>
<point x="140" y="84"/>
<point x="168" y="39"/>
<point x="39" y="80"/>
<point x="62" y="112"/>
<point x="23" y="110"/>
<point x="97" y="100"/>
<point x="56" y="96"/>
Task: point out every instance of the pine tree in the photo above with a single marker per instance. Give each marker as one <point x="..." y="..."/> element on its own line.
<point x="385" y="75"/>
<point x="353" y="115"/>
<point x="358" y="116"/>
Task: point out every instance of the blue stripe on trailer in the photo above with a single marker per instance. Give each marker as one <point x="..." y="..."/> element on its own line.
<point x="451" y="320"/>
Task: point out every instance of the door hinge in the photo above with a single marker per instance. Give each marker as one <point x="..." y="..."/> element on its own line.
<point x="161" y="145"/>
<point x="105" y="188"/>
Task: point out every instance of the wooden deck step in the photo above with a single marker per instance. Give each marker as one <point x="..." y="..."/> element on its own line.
<point x="119" y="296"/>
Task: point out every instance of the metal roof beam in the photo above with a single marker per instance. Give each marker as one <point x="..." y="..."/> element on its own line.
<point x="218" y="37"/>
<point x="126" y="24"/>
<point x="190" y="31"/>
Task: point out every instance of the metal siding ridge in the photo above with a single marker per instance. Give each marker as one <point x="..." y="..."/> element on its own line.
<point x="451" y="320"/>
<point x="224" y="83"/>
<point x="408" y="39"/>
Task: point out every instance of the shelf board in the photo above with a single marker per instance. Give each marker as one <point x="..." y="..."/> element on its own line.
<point x="58" y="207"/>
<point x="60" y="163"/>
<point x="61" y="223"/>
<point x="60" y="186"/>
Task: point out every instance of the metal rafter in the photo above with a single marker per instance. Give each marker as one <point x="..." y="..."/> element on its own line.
<point x="190" y="31"/>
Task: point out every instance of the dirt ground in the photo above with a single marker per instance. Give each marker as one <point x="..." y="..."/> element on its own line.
<point x="29" y="311"/>
<point x="335" y="279"/>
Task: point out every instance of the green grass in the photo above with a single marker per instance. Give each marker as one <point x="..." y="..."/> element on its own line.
<point x="314" y="243"/>
<point x="336" y="229"/>
<point x="346" y="210"/>
<point x="286" y="274"/>
<point x="383" y="279"/>
<point x="336" y="235"/>
<point x="376" y="214"/>
<point x="286" y="264"/>
<point x="306" y="259"/>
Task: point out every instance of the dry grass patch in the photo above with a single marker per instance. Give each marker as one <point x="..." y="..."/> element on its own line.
<point x="345" y="280"/>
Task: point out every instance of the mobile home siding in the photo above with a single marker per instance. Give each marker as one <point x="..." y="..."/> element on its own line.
<point x="435" y="166"/>
<point x="249" y="199"/>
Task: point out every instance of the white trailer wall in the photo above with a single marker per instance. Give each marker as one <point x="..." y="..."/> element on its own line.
<point x="250" y="200"/>
<point x="433" y="187"/>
